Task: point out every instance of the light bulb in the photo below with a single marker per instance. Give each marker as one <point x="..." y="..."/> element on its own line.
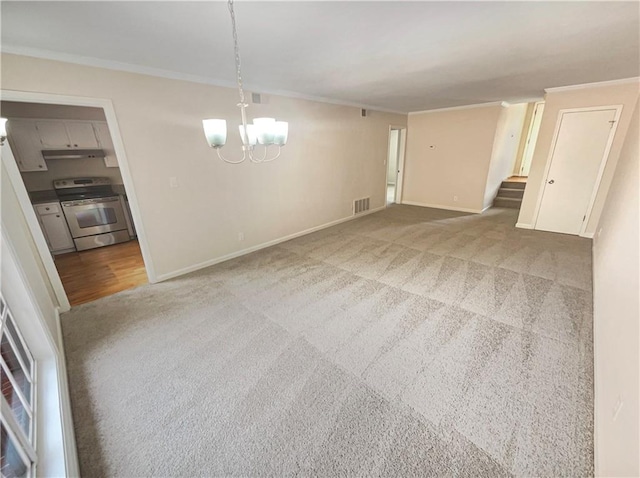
<point x="264" y="130"/>
<point x="215" y="131"/>
<point x="281" y="133"/>
<point x="250" y="138"/>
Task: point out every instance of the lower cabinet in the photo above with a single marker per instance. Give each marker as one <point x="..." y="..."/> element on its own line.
<point x="55" y="228"/>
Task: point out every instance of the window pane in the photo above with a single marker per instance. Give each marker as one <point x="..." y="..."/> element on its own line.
<point x="11" y="463"/>
<point x="96" y="217"/>
<point x="24" y="354"/>
<point x="15" y="368"/>
<point x="14" y="401"/>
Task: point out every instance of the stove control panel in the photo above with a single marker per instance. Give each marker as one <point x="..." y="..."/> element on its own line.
<point x="80" y="182"/>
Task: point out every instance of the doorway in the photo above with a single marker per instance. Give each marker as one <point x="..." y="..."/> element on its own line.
<point x="395" y="164"/>
<point x="582" y="141"/>
<point x="532" y="137"/>
<point x="64" y="256"/>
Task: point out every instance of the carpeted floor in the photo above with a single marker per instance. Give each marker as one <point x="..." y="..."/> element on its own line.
<point x="411" y="342"/>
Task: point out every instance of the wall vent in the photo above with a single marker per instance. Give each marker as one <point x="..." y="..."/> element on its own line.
<point x="256" y="98"/>
<point x="364" y="113"/>
<point x="360" y="205"/>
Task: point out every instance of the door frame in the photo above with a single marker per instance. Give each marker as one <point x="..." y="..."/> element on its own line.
<point x="402" y="142"/>
<point x="601" y="168"/>
<point x="23" y="196"/>
<point x="529" y="147"/>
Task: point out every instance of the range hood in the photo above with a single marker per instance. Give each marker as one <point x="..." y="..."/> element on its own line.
<point x="72" y="153"/>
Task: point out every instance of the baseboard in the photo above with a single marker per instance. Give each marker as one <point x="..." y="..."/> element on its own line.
<point x="264" y="245"/>
<point x="68" y="434"/>
<point x="523" y="225"/>
<point x="449" y="208"/>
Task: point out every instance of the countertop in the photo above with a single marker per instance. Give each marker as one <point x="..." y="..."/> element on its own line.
<point x="39" y="197"/>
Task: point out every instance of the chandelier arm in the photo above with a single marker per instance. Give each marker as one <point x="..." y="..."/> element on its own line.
<point x="244" y="156"/>
<point x="258" y="160"/>
<point x="275" y="157"/>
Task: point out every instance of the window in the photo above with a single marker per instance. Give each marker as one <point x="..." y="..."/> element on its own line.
<point x="17" y="370"/>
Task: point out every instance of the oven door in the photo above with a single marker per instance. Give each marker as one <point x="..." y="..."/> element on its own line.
<point x="100" y="216"/>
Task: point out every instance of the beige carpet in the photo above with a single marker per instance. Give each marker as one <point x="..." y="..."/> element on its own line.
<point x="411" y="342"/>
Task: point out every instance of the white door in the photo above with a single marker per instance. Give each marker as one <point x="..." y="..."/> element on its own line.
<point x="392" y="165"/>
<point x="582" y="144"/>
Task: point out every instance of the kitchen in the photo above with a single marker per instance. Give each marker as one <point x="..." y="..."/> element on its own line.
<point x="68" y="164"/>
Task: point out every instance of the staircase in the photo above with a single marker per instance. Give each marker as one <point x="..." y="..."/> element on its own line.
<point x="510" y="194"/>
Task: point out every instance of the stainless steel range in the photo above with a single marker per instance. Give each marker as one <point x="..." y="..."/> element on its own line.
<point x="93" y="211"/>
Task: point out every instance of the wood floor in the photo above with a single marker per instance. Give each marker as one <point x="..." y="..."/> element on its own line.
<point x="90" y="275"/>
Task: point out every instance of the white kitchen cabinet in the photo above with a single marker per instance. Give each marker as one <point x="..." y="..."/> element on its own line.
<point x="81" y="134"/>
<point x="104" y="139"/>
<point x="53" y="134"/>
<point x="60" y="134"/>
<point x="55" y="228"/>
<point x="25" y="144"/>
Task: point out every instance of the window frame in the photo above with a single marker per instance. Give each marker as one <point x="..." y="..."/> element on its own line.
<point x="26" y="445"/>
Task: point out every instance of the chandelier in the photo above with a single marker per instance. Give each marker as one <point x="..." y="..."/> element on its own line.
<point x="264" y="131"/>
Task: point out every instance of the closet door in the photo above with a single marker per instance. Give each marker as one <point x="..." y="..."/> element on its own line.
<point x="579" y="155"/>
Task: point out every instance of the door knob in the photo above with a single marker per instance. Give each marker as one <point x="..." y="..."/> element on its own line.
<point x="551" y="182"/>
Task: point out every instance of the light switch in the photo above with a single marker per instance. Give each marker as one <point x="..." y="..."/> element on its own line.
<point x="173" y="182"/>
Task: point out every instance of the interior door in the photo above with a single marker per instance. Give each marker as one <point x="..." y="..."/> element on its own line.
<point x="581" y="145"/>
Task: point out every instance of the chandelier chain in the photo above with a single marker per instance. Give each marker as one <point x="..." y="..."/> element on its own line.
<point x="236" y="49"/>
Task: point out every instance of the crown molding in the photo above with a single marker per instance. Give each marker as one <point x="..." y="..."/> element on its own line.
<point x="463" y="107"/>
<point x="174" y="75"/>
<point x="598" y="84"/>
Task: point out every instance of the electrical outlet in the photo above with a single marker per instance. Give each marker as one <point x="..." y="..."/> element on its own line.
<point x="241" y="236"/>
<point x="455" y="198"/>
<point x="173" y="182"/>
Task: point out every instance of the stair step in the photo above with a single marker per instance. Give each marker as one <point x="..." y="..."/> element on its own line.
<point x="514" y="203"/>
<point x="513" y="185"/>
<point x="510" y="193"/>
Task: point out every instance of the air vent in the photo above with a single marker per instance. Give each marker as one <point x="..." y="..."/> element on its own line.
<point x="360" y="205"/>
<point x="364" y="113"/>
<point x="256" y="98"/>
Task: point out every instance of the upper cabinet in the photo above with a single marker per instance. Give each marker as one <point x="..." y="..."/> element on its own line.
<point x="104" y="139"/>
<point x="28" y="137"/>
<point x="57" y="134"/>
<point x="25" y="144"/>
<point x="81" y="134"/>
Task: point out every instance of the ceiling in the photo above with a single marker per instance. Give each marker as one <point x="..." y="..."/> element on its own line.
<point x="396" y="56"/>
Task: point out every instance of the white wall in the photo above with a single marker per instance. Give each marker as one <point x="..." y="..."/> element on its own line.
<point x="448" y="155"/>
<point x="333" y="157"/>
<point x="617" y="317"/>
<point x="392" y="165"/>
<point x="624" y="94"/>
<point x="505" y="149"/>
